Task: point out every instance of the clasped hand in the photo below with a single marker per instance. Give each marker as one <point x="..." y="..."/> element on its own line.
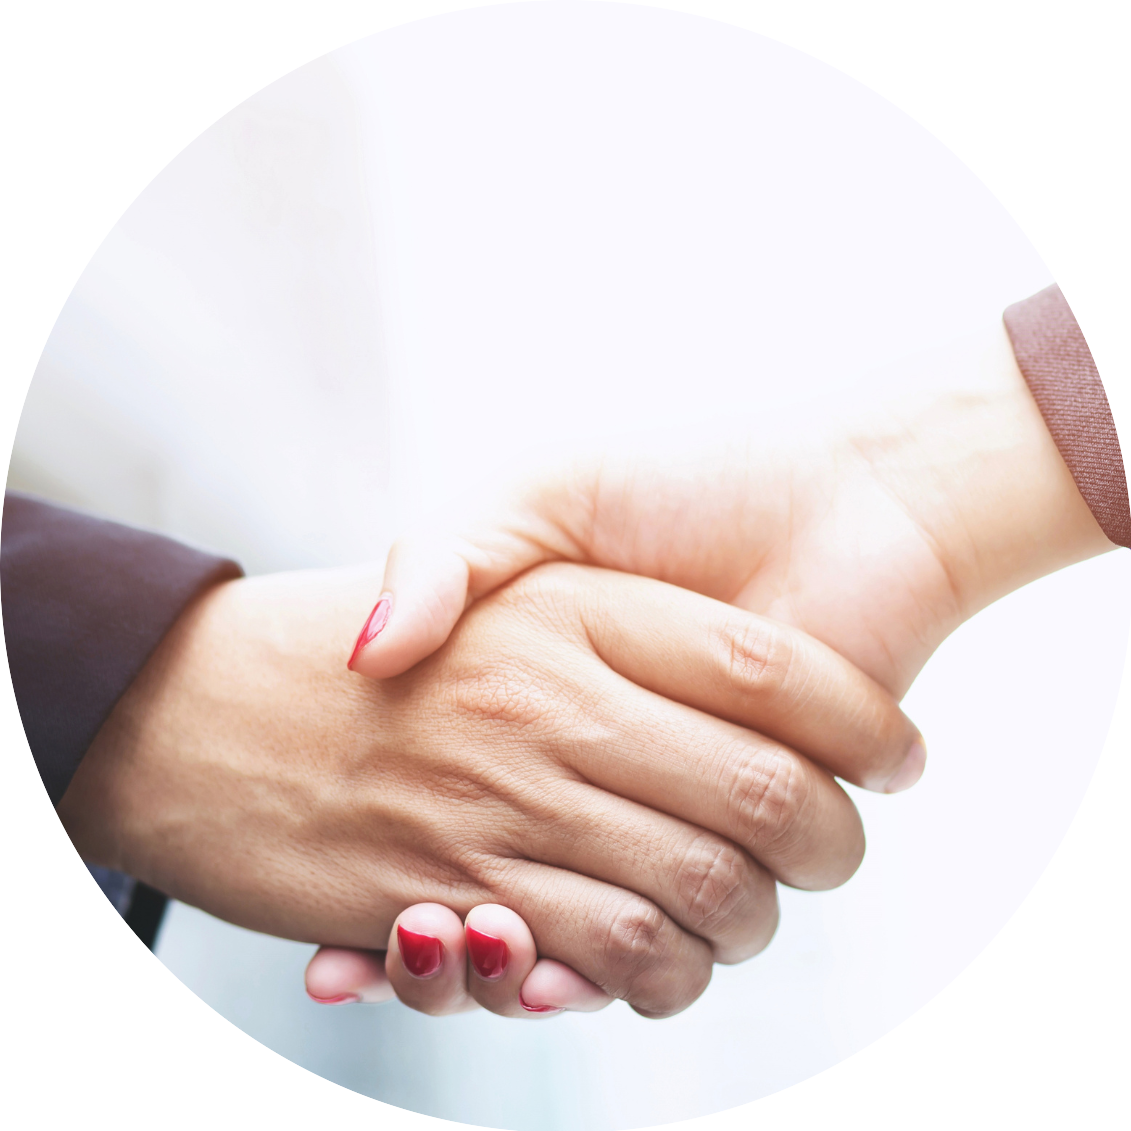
<point x="631" y="767"/>
<point x="879" y="539"/>
<point x="565" y="784"/>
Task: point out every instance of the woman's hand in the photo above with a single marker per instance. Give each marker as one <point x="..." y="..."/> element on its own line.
<point x="578" y="751"/>
<point x="439" y="965"/>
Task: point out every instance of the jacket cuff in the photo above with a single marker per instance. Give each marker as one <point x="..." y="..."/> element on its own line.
<point x="1055" y="360"/>
<point x="85" y="603"/>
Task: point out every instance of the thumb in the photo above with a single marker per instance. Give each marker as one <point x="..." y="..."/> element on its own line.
<point x="429" y="581"/>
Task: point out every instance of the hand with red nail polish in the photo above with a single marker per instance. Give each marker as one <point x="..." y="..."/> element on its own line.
<point x="428" y="973"/>
<point x="503" y="971"/>
<point x="426" y="968"/>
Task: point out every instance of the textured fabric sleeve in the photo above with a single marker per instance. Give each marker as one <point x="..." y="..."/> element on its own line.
<point x="85" y="603"/>
<point x="1056" y="362"/>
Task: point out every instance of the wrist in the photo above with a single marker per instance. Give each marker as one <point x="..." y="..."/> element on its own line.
<point x="978" y="471"/>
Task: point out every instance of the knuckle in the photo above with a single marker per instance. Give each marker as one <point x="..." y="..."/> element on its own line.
<point x="714" y="884"/>
<point x="768" y="798"/>
<point x="642" y="966"/>
<point x="499" y="694"/>
<point x="479" y="870"/>
<point x="633" y="944"/>
<point x="755" y="656"/>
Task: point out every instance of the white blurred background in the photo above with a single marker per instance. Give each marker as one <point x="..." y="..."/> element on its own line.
<point x="395" y="272"/>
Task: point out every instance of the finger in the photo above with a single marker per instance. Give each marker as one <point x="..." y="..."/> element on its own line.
<point x="789" y="814"/>
<point x="430" y="579"/>
<point x="706" y="883"/>
<point x="423" y="595"/>
<point x="552" y="987"/>
<point x="757" y="673"/>
<point x="617" y="940"/>
<point x="500" y="956"/>
<point x="339" y="976"/>
<point x="506" y="976"/>
<point x="426" y="961"/>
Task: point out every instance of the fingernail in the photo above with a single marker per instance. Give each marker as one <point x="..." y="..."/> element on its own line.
<point x="489" y="955"/>
<point x="538" y="1008"/>
<point x="372" y="627"/>
<point x="421" y="955"/>
<point x="340" y="999"/>
<point x="911" y="770"/>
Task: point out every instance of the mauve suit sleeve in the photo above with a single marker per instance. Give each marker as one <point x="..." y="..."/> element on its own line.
<point x="85" y="603"/>
<point x="1055" y="360"/>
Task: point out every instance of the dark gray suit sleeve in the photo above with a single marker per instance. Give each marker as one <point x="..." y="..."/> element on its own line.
<point x="85" y="603"/>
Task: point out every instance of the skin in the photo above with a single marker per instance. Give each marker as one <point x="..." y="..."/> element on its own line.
<point x="580" y="751"/>
<point x="878" y="538"/>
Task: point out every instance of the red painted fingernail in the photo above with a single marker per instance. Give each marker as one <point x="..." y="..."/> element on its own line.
<point x="341" y="999"/>
<point x="372" y="627"/>
<point x="420" y="954"/>
<point x="489" y="955"/>
<point x="538" y="1008"/>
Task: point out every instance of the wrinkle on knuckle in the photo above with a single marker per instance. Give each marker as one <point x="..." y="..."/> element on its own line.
<point x="501" y="801"/>
<point x="497" y="693"/>
<point x="713" y="885"/>
<point x="485" y="870"/>
<point x="755" y="656"/>
<point x="460" y="785"/>
<point x="633" y="945"/>
<point x="594" y="745"/>
<point x="768" y="799"/>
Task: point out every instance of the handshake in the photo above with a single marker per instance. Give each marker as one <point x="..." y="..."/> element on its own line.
<point x="581" y="740"/>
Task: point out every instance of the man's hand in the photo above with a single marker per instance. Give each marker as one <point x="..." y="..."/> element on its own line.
<point x="879" y="538"/>
<point x="627" y="765"/>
